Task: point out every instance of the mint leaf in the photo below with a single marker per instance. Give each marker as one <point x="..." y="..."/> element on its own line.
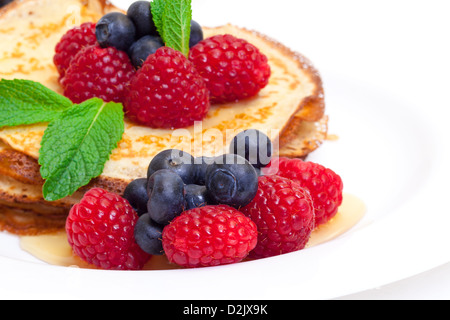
<point x="172" y="19"/>
<point x="27" y="102"/>
<point x="78" y="139"/>
<point x="177" y="25"/>
<point x="76" y="146"/>
<point x="158" y="7"/>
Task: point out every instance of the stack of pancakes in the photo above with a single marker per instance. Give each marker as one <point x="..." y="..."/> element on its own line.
<point x="290" y="110"/>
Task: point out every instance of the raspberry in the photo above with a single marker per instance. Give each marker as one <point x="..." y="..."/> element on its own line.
<point x="284" y="214"/>
<point x="98" y="72"/>
<point x="209" y="236"/>
<point x="167" y="92"/>
<point x="71" y="43"/>
<point x="100" y="229"/>
<point x="324" y="185"/>
<point x="233" y="68"/>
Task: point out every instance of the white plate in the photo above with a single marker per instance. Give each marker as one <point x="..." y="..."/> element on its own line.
<point x="391" y="153"/>
<point x="395" y="172"/>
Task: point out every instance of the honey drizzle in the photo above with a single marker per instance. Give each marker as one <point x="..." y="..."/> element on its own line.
<point x="55" y="250"/>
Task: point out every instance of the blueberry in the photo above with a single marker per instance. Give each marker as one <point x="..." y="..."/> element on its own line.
<point x="231" y="180"/>
<point x="148" y="235"/>
<point x="201" y="164"/>
<point x="176" y="160"/>
<point x="166" y="196"/>
<point x="141" y="15"/>
<point x="136" y="194"/>
<point x="141" y="49"/>
<point x="254" y="146"/>
<point x="196" y="196"/>
<point x="115" y="29"/>
<point x="196" y="34"/>
<point x="4" y="2"/>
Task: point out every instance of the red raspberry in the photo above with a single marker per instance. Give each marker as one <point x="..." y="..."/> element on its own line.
<point x="209" y="236"/>
<point x="167" y="92"/>
<point x="71" y="43"/>
<point x="100" y="229"/>
<point x="284" y="214"/>
<point x="324" y="185"/>
<point x="233" y="68"/>
<point x="98" y="72"/>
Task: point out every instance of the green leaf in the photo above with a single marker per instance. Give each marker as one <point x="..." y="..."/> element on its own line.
<point x="27" y="102"/>
<point x="157" y="7"/>
<point x="177" y="25"/>
<point x="76" y="146"/>
<point x="173" y="22"/>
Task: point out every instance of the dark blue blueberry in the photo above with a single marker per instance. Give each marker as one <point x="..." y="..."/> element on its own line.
<point x="141" y="49"/>
<point x="254" y="146"/>
<point x="201" y="164"/>
<point x="141" y="15"/>
<point x="196" y="34"/>
<point x="231" y="180"/>
<point x="148" y="235"/>
<point x="175" y="160"/>
<point x="195" y="196"/>
<point x="4" y="2"/>
<point x="115" y="29"/>
<point x="166" y="196"/>
<point x="136" y="194"/>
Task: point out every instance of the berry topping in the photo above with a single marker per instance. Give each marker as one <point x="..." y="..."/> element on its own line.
<point x="284" y="214"/>
<point x="148" y="235"/>
<point x="98" y="72"/>
<point x="71" y="43"/>
<point x="141" y="49"/>
<point x="209" y="236"/>
<point x="167" y="92"/>
<point x="231" y="180"/>
<point x="115" y="29"/>
<point x="324" y="185"/>
<point x="180" y="162"/>
<point x="136" y="194"/>
<point x="233" y="68"/>
<point x="140" y="13"/>
<point x="254" y="146"/>
<point x="166" y="196"/>
<point x="100" y="229"/>
<point x="196" y="34"/>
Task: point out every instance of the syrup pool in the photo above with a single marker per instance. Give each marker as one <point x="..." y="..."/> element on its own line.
<point x="54" y="248"/>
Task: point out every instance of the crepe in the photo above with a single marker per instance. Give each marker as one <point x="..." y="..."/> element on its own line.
<point x="290" y="109"/>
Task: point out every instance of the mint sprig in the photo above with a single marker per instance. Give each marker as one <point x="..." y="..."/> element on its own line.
<point x="75" y="146"/>
<point x="172" y="19"/>
<point x="78" y="140"/>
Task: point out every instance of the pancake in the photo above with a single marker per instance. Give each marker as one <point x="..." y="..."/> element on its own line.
<point x="290" y="109"/>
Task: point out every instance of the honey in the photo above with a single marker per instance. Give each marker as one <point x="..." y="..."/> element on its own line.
<point x="55" y="249"/>
<point x="350" y="212"/>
